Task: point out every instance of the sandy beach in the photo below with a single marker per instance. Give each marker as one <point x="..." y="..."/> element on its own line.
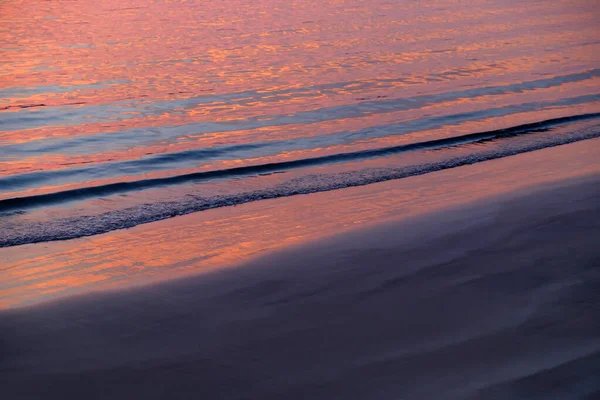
<point x="491" y="299"/>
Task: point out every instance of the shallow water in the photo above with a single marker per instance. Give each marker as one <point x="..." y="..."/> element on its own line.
<point x="122" y="113"/>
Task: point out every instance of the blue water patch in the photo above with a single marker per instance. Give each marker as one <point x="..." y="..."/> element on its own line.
<point x="69" y="115"/>
<point x="24" y="91"/>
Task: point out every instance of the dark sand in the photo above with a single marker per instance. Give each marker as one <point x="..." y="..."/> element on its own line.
<point x="495" y="300"/>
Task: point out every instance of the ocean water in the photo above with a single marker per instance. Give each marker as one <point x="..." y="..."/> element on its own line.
<point x="119" y="113"/>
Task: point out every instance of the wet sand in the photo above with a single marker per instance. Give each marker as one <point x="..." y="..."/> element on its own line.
<point x="494" y="299"/>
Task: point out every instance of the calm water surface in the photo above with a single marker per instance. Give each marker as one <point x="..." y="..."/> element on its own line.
<point x="118" y="113"/>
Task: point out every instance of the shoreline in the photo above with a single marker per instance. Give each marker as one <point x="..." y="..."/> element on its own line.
<point x="223" y="238"/>
<point x="74" y="227"/>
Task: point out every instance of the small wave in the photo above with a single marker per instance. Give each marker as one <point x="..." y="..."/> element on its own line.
<point x="69" y="116"/>
<point x="74" y="227"/>
<point x="21" y="203"/>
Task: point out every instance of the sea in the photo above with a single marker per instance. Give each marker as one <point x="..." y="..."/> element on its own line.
<point x="119" y="113"/>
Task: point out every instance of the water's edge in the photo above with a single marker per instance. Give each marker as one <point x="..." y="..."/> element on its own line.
<point x="88" y="225"/>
